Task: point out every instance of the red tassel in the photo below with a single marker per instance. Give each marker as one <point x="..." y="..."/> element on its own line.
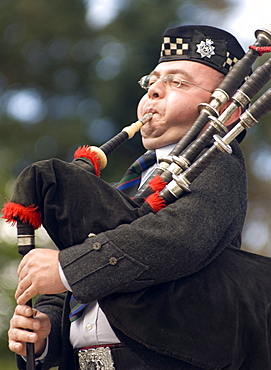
<point x="156" y="202"/>
<point x="30" y="214"/>
<point x="157" y="184"/>
<point x="85" y="151"/>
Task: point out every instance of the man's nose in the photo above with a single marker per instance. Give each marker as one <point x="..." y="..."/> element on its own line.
<point x="157" y="89"/>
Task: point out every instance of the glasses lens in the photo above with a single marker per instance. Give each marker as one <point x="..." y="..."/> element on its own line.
<point x="171" y="79"/>
<point x="174" y="80"/>
<point x="144" y="82"/>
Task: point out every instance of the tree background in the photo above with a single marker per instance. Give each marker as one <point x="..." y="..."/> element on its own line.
<point x="68" y="77"/>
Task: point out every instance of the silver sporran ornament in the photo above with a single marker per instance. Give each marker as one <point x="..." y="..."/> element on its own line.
<point x="205" y="48"/>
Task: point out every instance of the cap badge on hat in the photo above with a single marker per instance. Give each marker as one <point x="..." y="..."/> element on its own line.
<point x="205" y="48"/>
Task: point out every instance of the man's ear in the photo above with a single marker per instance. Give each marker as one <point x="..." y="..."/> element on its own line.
<point x="234" y="117"/>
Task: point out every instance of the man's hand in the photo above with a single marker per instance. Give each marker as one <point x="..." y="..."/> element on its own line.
<point x="38" y="274"/>
<point x="19" y="335"/>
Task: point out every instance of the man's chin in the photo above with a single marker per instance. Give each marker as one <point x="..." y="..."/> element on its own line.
<point x="149" y="143"/>
<point x="153" y="143"/>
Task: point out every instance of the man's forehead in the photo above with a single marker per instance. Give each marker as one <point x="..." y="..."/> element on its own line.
<point x="184" y="67"/>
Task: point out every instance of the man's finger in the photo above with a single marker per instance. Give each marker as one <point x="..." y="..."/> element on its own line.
<point x="17" y="347"/>
<point x="23" y="286"/>
<point x="24" y="310"/>
<point x="26" y="295"/>
<point x="22" y="263"/>
<point x="25" y="322"/>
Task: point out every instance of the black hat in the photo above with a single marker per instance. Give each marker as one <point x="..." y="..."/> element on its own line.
<point x="211" y="46"/>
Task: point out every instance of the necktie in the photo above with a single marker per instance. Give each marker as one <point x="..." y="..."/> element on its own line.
<point x="132" y="177"/>
<point x="76" y="309"/>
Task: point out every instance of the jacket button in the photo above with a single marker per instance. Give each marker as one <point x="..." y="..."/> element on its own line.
<point x="113" y="261"/>
<point x="96" y="246"/>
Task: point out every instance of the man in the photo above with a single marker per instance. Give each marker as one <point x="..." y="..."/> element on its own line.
<point x="142" y="273"/>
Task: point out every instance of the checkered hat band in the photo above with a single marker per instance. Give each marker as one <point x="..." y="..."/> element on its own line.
<point x="175" y="46"/>
<point x="230" y="61"/>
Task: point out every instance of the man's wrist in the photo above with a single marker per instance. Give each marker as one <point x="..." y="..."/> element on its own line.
<point x="42" y="351"/>
<point x="63" y="278"/>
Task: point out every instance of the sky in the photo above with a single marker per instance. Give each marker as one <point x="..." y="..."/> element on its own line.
<point x="242" y="21"/>
<point x="247" y="17"/>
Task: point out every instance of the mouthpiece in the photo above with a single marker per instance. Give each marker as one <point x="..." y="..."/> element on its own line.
<point x="146" y="118"/>
<point x="136" y="126"/>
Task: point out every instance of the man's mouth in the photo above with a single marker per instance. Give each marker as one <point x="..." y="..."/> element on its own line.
<point x="151" y="110"/>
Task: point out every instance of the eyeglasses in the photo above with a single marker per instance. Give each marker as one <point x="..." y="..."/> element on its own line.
<point x="170" y="80"/>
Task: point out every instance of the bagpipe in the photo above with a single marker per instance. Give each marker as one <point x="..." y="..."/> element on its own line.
<point x="58" y="195"/>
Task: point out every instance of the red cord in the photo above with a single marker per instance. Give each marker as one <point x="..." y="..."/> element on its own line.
<point x="261" y="49"/>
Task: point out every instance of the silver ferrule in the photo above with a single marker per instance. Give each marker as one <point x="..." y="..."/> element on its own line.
<point x="208" y="108"/>
<point x="24" y="240"/>
<point x="217" y="123"/>
<point x="219" y="97"/>
<point x="220" y="144"/>
<point x="264" y="34"/>
<point x="166" y="159"/>
<point x="241" y="98"/>
<point x="174" y="168"/>
<point x="165" y="162"/>
<point x="181" y="161"/>
<point x="178" y="185"/>
<point x="247" y="120"/>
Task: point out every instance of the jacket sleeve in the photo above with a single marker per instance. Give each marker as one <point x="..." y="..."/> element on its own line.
<point x="177" y="241"/>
